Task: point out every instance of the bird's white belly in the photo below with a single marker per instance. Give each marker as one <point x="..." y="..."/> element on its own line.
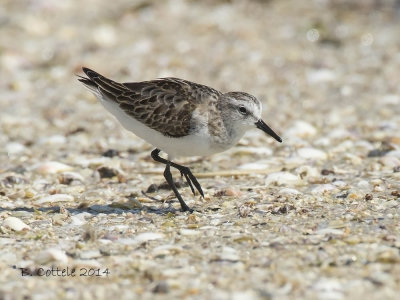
<point x="192" y="145"/>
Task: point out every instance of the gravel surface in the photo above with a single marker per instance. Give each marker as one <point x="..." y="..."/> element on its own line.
<point x="84" y="213"/>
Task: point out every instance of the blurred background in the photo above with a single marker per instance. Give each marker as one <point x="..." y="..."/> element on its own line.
<point x="288" y="53"/>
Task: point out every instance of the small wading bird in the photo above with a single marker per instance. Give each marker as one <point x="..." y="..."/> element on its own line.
<point x="179" y="117"/>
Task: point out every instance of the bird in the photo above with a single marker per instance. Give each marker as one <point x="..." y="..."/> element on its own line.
<point x="179" y="117"/>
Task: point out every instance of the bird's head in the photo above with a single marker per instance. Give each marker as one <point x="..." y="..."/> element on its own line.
<point x="244" y="112"/>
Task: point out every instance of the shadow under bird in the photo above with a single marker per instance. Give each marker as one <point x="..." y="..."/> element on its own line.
<point x="179" y="117"/>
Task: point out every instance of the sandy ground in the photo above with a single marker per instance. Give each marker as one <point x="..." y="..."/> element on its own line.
<point x="316" y="217"/>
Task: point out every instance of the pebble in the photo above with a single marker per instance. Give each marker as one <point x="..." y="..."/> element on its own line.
<point x="91" y="162"/>
<point x="339" y="133"/>
<point x="328" y="289"/>
<point x="354" y="159"/>
<point x="323" y="189"/>
<point x="301" y="129"/>
<point x="231" y="192"/>
<point x="53" y="140"/>
<point x="161" y="287"/>
<point x="342" y="147"/>
<point x="55" y="198"/>
<point x="51" y="167"/>
<point x="90" y="254"/>
<point x="255" y="166"/>
<point x="14" y="148"/>
<point x="391" y="99"/>
<point x="283" y="178"/>
<point x="90" y="264"/>
<point x="229" y="254"/>
<point x="110" y="153"/>
<point x="15" y="224"/>
<point x="51" y="255"/>
<point x="322" y="142"/>
<point x="79" y="219"/>
<point x="106" y="172"/>
<point x="167" y="250"/>
<point x="288" y="191"/>
<point x="329" y="231"/>
<point x="184" y="231"/>
<point x="262" y="151"/>
<point x="390" y="161"/>
<point x="244" y="210"/>
<point x="148" y="236"/>
<point x="311" y="153"/>
<point x="307" y="172"/>
<point x="321" y="76"/>
<point x="68" y="177"/>
<point x="340" y="184"/>
<point x="104" y="35"/>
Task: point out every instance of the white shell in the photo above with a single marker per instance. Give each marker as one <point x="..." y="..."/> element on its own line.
<point x="15" y="224"/>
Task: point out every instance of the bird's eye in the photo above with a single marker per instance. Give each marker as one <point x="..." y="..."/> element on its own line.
<point x="243" y="110"/>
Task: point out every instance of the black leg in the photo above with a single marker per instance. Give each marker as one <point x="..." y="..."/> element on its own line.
<point x="168" y="178"/>
<point x="185" y="171"/>
<point x="190" y="178"/>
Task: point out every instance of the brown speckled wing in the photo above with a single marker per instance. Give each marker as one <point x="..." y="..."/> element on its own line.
<point x="165" y="104"/>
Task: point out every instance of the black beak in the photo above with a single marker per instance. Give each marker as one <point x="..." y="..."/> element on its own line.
<point x="264" y="127"/>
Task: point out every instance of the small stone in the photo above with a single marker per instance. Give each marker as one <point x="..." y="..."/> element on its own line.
<point x="110" y="153"/>
<point x="329" y="231"/>
<point x="288" y="192"/>
<point x="390" y="161"/>
<point x="321" y="75"/>
<point x="302" y="129"/>
<point x="79" y="219"/>
<point x="14" y="148"/>
<point x="167" y="250"/>
<point x="326" y="172"/>
<point x="394" y="153"/>
<point x="53" y="140"/>
<point x="323" y="189"/>
<point x="90" y="254"/>
<point x="68" y="177"/>
<point x="244" y="210"/>
<point x="368" y="197"/>
<point x="311" y="153"/>
<point x="363" y="184"/>
<point x="232" y="192"/>
<point x="282" y="210"/>
<point x="148" y="236"/>
<point x="377" y="152"/>
<point x="152" y="188"/>
<point x="283" y="178"/>
<point x="188" y="232"/>
<point x="51" y="167"/>
<point x="307" y="172"/>
<point x="132" y="203"/>
<point x="15" y="224"/>
<point x="161" y="288"/>
<point x="55" y="198"/>
<point x="51" y="255"/>
<point x="354" y="159"/>
<point x="395" y="193"/>
<point x="391" y="99"/>
<point x="106" y="172"/>
<point x="13" y="180"/>
<point x="104" y="35"/>
<point x="229" y="254"/>
<point x="378" y="188"/>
